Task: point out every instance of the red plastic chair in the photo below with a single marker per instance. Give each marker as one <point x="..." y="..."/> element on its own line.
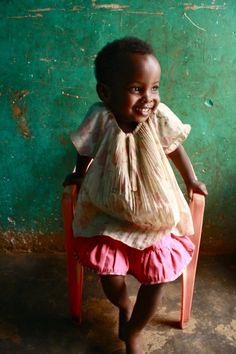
<point x="197" y="206"/>
<point x="75" y="270"/>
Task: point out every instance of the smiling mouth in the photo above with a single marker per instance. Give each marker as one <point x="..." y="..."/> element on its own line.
<point x="144" y="111"/>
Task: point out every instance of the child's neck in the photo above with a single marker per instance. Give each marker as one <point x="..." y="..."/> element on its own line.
<point x="127" y="127"/>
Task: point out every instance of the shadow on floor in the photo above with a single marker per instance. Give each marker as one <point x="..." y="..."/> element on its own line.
<point x="34" y="314"/>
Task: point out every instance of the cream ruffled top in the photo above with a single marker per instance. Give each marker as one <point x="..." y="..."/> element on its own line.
<point x="130" y="192"/>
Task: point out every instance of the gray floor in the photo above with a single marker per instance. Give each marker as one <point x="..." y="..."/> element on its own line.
<point x="34" y="314"/>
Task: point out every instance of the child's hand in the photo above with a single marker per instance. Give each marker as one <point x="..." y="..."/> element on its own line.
<point x="196" y="187"/>
<point x="72" y="178"/>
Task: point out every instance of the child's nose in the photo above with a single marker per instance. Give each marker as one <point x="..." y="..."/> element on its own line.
<point x="147" y="97"/>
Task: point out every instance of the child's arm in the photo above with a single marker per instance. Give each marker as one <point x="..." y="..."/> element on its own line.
<point x="183" y="164"/>
<point x="80" y="170"/>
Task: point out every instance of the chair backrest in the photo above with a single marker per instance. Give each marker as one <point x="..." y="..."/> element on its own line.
<point x="69" y="197"/>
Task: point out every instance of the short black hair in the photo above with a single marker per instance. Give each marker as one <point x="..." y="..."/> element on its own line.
<point x="109" y="57"/>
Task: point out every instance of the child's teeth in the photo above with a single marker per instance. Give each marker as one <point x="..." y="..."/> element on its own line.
<point x="143" y="109"/>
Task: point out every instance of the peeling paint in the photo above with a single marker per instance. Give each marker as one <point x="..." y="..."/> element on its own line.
<point x="38" y="12"/>
<point x="75" y="8"/>
<point x="26" y="16"/>
<point x="189" y="7"/>
<point x="19" y="112"/>
<point x="24" y="129"/>
<point x="60" y="28"/>
<point x="11" y="220"/>
<point x="11" y="241"/>
<point x="62" y="140"/>
<point x="20" y="94"/>
<point x="47" y="60"/>
<point x="108" y="6"/>
<point x="209" y="103"/>
<point x="193" y="23"/>
<point x="159" y="13"/>
<point x="71" y="95"/>
<point x="16" y="110"/>
<point x="46" y="10"/>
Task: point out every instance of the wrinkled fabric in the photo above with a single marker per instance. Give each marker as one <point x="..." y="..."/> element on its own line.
<point x="162" y="262"/>
<point x="130" y="192"/>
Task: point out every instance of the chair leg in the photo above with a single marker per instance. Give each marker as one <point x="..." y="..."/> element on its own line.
<point x="75" y="283"/>
<point x="197" y="209"/>
<point x="74" y="270"/>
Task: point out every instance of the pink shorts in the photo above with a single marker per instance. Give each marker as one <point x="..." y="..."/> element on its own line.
<point x="162" y="262"/>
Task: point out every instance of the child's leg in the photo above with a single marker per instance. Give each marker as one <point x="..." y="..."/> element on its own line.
<point x="114" y="287"/>
<point x="148" y="299"/>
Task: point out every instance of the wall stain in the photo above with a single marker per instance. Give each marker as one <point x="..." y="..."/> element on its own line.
<point x="32" y="13"/>
<point x="192" y="7"/>
<point x="108" y="6"/>
<point x="75" y="8"/>
<point x="24" y="16"/>
<point x="38" y="12"/>
<point x="63" y="140"/>
<point x="47" y="9"/>
<point x="12" y="242"/>
<point x="160" y="13"/>
<point x="19" y="112"/>
<point x="187" y="7"/>
<point x="46" y="60"/>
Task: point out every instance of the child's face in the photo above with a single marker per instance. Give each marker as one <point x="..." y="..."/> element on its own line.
<point x="135" y="93"/>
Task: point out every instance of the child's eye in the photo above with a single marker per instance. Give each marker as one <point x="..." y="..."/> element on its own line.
<point x="155" y="88"/>
<point x="135" y="89"/>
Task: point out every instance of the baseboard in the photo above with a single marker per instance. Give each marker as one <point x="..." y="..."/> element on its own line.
<point x="21" y="242"/>
<point x="53" y="243"/>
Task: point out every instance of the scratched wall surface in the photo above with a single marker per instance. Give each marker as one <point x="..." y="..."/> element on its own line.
<point x="47" y="85"/>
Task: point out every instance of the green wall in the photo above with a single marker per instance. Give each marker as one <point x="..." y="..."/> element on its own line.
<point x="47" y="85"/>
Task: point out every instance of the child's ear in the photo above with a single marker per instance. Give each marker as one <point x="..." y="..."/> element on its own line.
<point x="103" y="92"/>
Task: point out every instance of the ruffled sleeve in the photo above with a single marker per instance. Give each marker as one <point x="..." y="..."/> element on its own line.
<point x="172" y="132"/>
<point x="88" y="136"/>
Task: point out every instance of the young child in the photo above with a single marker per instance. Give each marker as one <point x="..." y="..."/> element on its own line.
<point x="131" y="217"/>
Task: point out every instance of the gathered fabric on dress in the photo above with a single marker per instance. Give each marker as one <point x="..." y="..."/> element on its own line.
<point x="161" y="262"/>
<point x="130" y="192"/>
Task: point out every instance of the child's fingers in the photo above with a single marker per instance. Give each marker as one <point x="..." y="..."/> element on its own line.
<point x="70" y="179"/>
<point x="190" y="194"/>
<point x="200" y="189"/>
<point x="203" y="189"/>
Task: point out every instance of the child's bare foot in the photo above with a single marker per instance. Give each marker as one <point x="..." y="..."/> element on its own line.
<point x="124" y="317"/>
<point x="133" y="344"/>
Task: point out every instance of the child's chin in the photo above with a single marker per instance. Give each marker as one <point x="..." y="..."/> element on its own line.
<point x="141" y="118"/>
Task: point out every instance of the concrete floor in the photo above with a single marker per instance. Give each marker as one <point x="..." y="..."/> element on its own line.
<point x="34" y="311"/>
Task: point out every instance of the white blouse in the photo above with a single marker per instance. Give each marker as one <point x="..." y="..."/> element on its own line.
<point x="130" y="192"/>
